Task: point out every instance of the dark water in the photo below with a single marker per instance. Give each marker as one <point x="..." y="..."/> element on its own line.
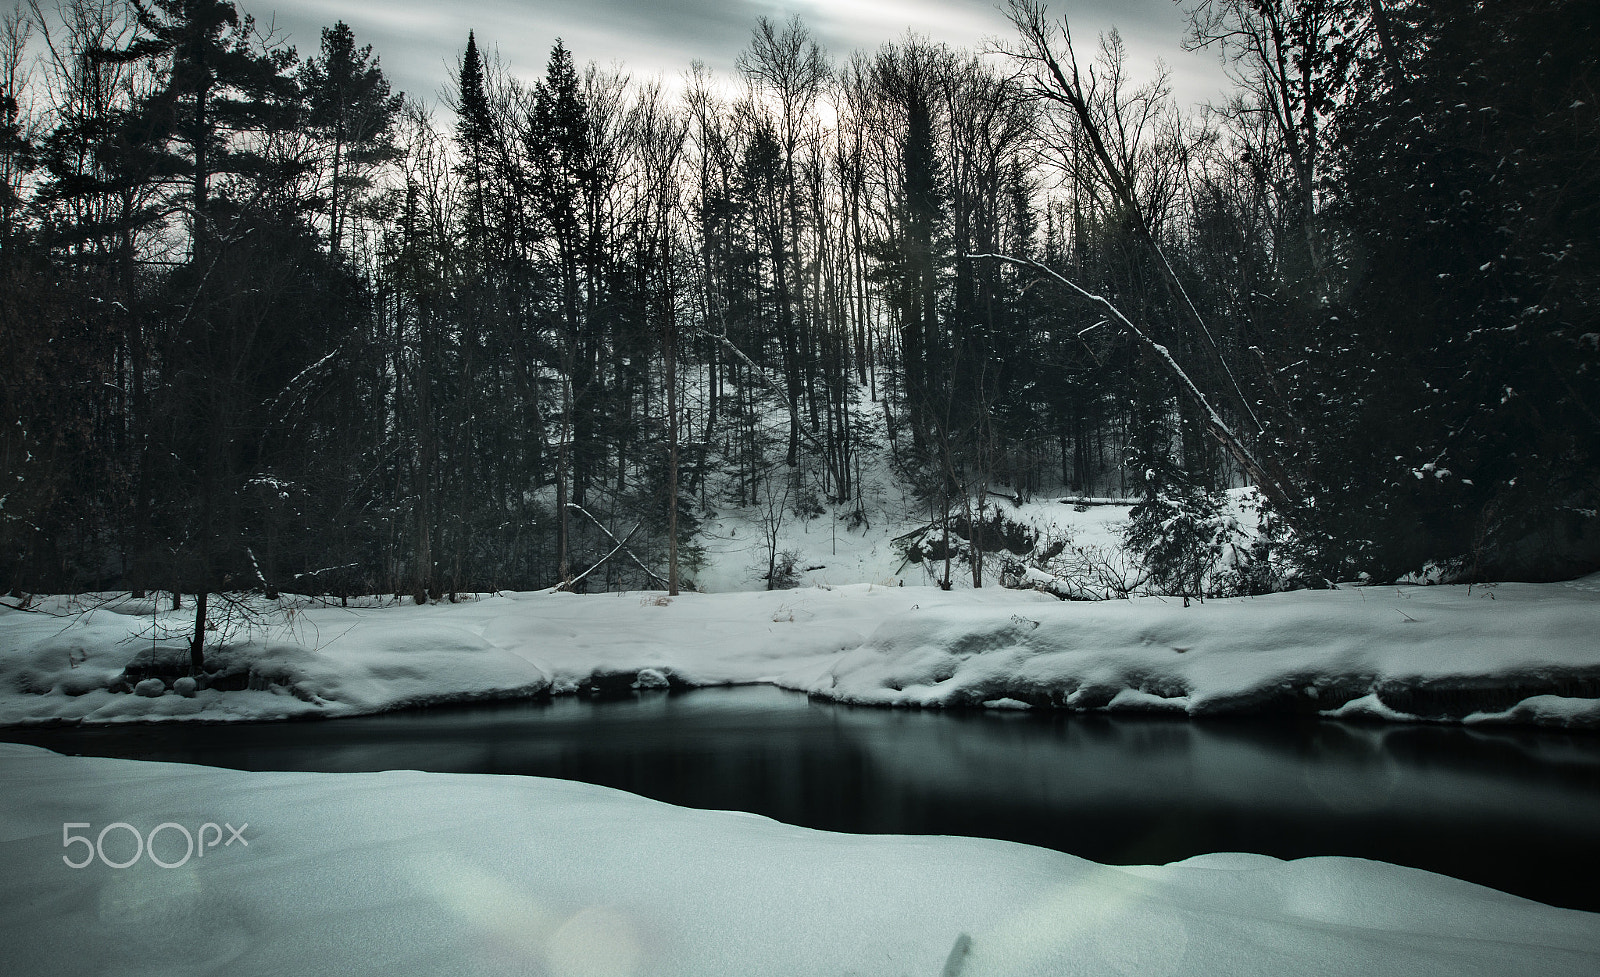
<point x="1518" y="810"/>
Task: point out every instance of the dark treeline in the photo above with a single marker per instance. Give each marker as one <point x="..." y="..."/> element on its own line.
<point x="268" y="325"/>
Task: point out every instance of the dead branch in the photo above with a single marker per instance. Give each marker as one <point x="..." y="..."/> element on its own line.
<point x="569" y="584"/>
<point x="1217" y="427"/>
<point x="654" y="576"/>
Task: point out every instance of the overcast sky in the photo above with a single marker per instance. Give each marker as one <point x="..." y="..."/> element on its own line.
<point x="420" y="40"/>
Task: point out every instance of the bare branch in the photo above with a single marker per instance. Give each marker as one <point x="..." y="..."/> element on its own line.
<point x="1218" y="428"/>
<point x="569" y="584"/>
<point x="621" y="544"/>
<point x="1064" y="83"/>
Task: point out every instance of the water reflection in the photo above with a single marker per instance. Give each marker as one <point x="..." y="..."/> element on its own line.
<point x="1515" y="809"/>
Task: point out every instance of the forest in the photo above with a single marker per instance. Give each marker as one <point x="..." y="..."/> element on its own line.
<point x="268" y="325"/>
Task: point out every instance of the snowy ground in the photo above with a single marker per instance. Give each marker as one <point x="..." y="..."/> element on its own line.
<point x="829" y="551"/>
<point x="1510" y="653"/>
<point x="865" y="541"/>
<point x="417" y="873"/>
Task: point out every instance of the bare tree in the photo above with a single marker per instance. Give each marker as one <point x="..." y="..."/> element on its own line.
<point x="1280" y="54"/>
<point x="16" y="121"/>
<point x="1110" y="126"/>
<point x="660" y="136"/>
<point x="787" y="71"/>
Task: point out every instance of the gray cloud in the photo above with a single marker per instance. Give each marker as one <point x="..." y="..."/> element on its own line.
<point x="420" y="40"/>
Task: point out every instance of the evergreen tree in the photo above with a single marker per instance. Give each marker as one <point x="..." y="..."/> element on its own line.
<point x="213" y="90"/>
<point x="565" y="180"/>
<point x="207" y="130"/>
<point x="1464" y="359"/>
<point x="475" y="133"/>
<point x="350" y="107"/>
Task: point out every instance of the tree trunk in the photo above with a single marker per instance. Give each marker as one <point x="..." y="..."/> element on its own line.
<point x="562" y="458"/>
<point x="671" y="355"/>
<point x="197" y="643"/>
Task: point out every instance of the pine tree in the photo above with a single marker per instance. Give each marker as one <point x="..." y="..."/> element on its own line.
<point x="565" y="180"/>
<point x="475" y="135"/>
<point x="230" y="334"/>
<point x="351" y="109"/>
<point x="212" y="89"/>
<point x="1464" y="186"/>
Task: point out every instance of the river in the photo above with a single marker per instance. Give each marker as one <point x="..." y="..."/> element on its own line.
<point x="1518" y="810"/>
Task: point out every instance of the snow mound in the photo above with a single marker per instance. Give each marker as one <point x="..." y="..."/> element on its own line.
<point x="307" y="661"/>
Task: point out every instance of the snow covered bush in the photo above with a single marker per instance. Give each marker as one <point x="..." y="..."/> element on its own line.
<point x="1070" y="570"/>
<point x="1192" y="543"/>
<point x="785" y="571"/>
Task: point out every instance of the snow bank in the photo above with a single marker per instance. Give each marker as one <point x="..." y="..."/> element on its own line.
<point x="1517" y="653"/>
<point x="415" y="873"/>
<point x="80" y="659"/>
<point x="1511" y="653"/>
<point x="77" y="659"/>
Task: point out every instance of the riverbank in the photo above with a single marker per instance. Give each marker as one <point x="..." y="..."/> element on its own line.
<point x="405" y="872"/>
<point x="1510" y="653"/>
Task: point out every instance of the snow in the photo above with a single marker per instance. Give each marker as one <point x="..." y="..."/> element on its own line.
<point x="865" y="540"/>
<point x="1544" y="710"/>
<point x="835" y="550"/>
<point x="1337" y="652"/>
<point x="304" y="658"/>
<point x="417" y="873"/>
<point x="298" y="660"/>
<point x="1369" y="706"/>
<point x="1518" y="653"/>
<point x="651" y="678"/>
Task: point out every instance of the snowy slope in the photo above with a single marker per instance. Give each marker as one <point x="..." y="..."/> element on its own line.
<point x="404" y="873"/>
<point x="834" y="549"/>
<point x="862" y="541"/>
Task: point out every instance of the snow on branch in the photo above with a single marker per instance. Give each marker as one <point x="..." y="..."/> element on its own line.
<point x="622" y="544"/>
<point x="1214" y="422"/>
<point x="289" y="388"/>
<point x="783" y="395"/>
